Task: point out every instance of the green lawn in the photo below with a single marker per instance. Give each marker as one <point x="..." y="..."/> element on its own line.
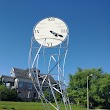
<point x="28" y="106"/>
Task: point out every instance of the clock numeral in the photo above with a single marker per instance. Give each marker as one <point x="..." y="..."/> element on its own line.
<point x="49" y="44"/>
<point x="51" y="19"/>
<point x="63" y="30"/>
<point x="36" y="31"/>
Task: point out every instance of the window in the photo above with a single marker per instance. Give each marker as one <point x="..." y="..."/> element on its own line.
<point x="34" y="95"/>
<point x="12" y="84"/>
<point x="8" y="84"/>
<point x="20" y="84"/>
<point x="30" y="86"/>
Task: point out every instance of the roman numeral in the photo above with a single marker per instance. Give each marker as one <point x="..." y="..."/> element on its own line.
<point x="63" y="30"/>
<point x="36" y="31"/>
<point x="51" y="19"/>
<point x="49" y="44"/>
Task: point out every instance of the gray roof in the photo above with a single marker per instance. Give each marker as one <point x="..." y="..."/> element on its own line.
<point x="24" y="73"/>
<point x="7" y="78"/>
<point x="4" y="76"/>
<point x="49" y="77"/>
<point x="20" y="72"/>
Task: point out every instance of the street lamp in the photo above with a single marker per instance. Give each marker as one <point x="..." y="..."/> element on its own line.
<point x="87" y="91"/>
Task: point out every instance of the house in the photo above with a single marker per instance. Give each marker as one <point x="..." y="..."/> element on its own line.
<point x="21" y="81"/>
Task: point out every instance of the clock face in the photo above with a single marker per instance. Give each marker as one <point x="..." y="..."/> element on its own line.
<point x="50" y="32"/>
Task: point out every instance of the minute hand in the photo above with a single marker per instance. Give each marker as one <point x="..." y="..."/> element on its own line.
<point x="56" y="34"/>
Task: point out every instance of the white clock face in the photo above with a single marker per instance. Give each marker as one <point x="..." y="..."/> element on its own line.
<point x="50" y="32"/>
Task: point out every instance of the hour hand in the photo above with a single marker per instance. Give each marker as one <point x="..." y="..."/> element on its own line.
<point x="56" y="34"/>
<point x="60" y="35"/>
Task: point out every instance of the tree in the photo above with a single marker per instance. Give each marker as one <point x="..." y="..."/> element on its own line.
<point x="4" y="93"/>
<point x="1" y="81"/>
<point x="13" y="95"/>
<point x="8" y="94"/>
<point x="99" y="87"/>
<point x="101" y="91"/>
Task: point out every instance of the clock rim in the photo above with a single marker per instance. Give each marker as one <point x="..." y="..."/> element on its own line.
<point x="67" y="36"/>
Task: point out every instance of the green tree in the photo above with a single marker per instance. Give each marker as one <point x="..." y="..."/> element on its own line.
<point x="99" y="87"/>
<point x="13" y="95"/>
<point x="8" y="94"/>
<point x="100" y="91"/>
<point x="4" y="93"/>
<point x="1" y="81"/>
<point x="58" y="96"/>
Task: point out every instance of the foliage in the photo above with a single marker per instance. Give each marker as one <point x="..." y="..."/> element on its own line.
<point x="8" y="94"/>
<point x="3" y="92"/>
<point x="58" y="96"/>
<point x="99" y="88"/>
<point x="49" y="96"/>
<point x="1" y="81"/>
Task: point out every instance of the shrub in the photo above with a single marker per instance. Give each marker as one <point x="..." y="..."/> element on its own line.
<point x="8" y="94"/>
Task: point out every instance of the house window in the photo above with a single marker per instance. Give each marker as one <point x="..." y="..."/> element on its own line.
<point x="30" y="86"/>
<point x="20" y="84"/>
<point x="34" y="94"/>
<point x="8" y="84"/>
<point x="12" y="84"/>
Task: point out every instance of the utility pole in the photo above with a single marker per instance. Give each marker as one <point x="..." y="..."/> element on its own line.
<point x="88" y="91"/>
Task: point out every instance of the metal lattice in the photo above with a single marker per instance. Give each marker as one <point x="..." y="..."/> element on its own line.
<point x="50" y="87"/>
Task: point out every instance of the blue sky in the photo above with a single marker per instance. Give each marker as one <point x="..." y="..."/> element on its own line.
<point x="89" y="31"/>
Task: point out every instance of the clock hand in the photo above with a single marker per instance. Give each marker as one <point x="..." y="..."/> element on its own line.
<point x="56" y="34"/>
<point x="60" y="35"/>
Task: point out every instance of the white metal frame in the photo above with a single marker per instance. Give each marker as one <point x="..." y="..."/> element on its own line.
<point x="56" y="63"/>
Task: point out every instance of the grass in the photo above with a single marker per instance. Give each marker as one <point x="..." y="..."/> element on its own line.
<point x="28" y="106"/>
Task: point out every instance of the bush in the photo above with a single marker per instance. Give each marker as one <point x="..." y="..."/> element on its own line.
<point x="4" y="92"/>
<point x="8" y="94"/>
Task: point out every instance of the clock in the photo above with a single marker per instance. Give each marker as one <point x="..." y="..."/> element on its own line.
<point x="50" y="32"/>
